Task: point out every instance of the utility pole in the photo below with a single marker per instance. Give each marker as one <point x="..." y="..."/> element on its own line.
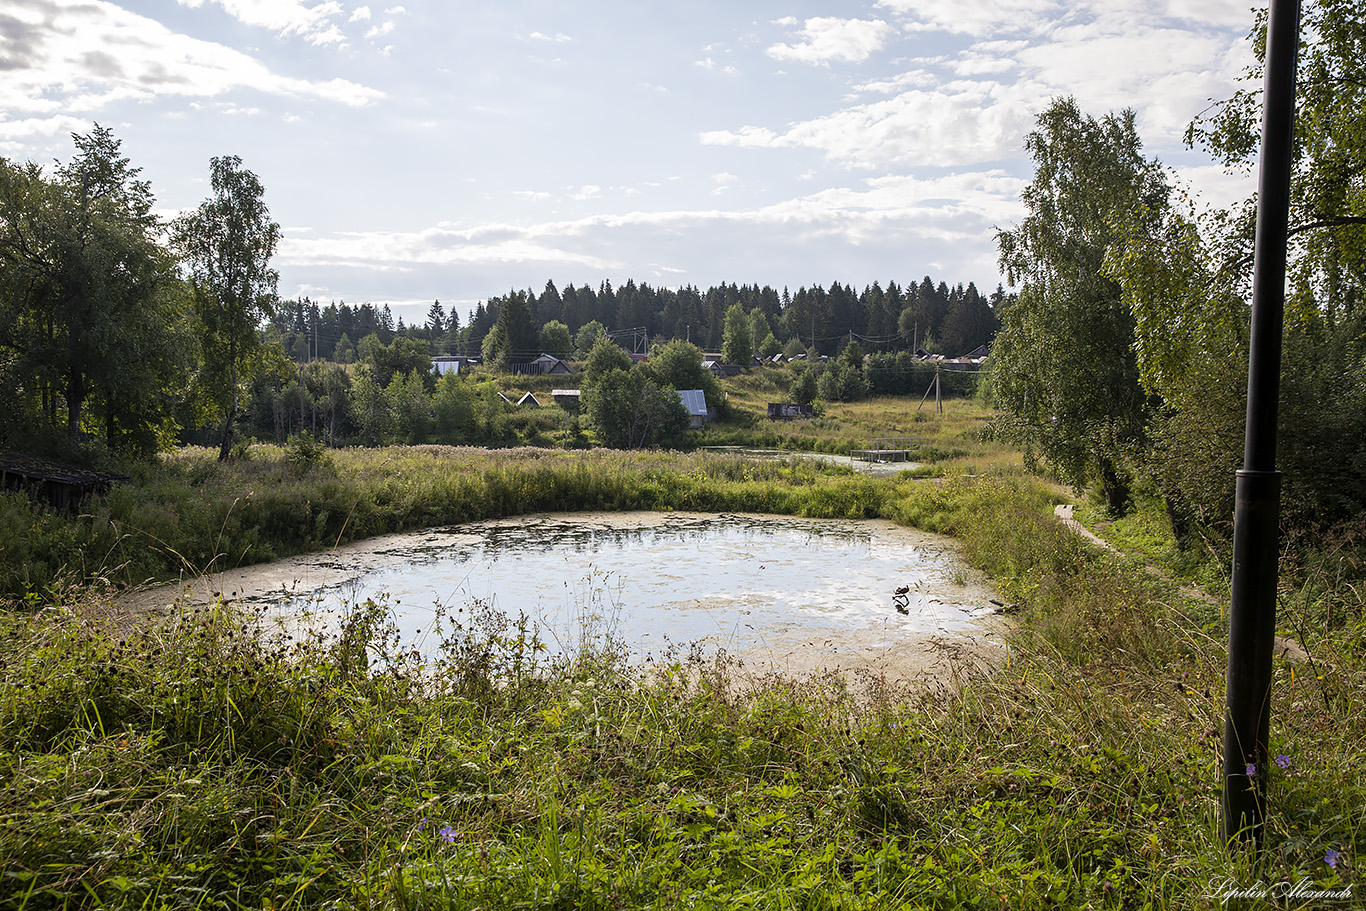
<point x="1256" y="518"/>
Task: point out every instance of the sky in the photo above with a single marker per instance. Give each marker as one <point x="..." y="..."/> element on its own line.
<point x="447" y="150"/>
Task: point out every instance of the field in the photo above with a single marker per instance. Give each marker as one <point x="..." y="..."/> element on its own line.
<point x="202" y="762"/>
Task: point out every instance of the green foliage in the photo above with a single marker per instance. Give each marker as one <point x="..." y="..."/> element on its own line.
<point x="371" y="408"/>
<point x="627" y="409"/>
<point x="227" y="244"/>
<point x="1064" y="372"/>
<point x="737" y="345"/>
<point x="1328" y="198"/>
<point x="678" y="364"/>
<point x="556" y="340"/>
<point x="843" y="381"/>
<point x="401" y="357"/>
<point x="410" y="407"/>
<point x="803" y="389"/>
<point x="605" y="356"/>
<point x="514" y="338"/>
<point x="905" y="374"/>
<point x="586" y="339"/>
<point x="92" y="317"/>
<point x="1188" y="281"/>
<point x="213" y="761"/>
<point x="303" y="454"/>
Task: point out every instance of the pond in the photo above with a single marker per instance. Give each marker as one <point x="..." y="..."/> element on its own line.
<point x="791" y="593"/>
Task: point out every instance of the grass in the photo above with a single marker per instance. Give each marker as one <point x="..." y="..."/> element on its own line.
<point x="212" y="763"/>
<point x="190" y="512"/>
<point x="951" y="442"/>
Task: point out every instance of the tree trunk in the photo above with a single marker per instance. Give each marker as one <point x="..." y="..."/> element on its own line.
<point x="226" y="446"/>
<point x="228" y="426"/>
<point x="75" y="397"/>
<point x="1179" y="517"/>
<point x="1115" y="485"/>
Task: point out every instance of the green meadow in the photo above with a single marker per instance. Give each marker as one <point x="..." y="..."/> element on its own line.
<point x="200" y="760"/>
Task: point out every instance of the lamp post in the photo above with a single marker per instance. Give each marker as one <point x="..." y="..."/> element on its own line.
<point x="1256" y="541"/>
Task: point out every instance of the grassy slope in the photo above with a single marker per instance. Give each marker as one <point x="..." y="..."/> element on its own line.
<point x="206" y="766"/>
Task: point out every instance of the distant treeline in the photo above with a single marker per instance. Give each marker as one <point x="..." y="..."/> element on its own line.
<point x="943" y="319"/>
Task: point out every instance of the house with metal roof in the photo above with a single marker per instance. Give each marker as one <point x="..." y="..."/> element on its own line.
<point x="698" y="413"/>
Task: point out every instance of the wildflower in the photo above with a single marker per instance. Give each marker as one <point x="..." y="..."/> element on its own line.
<point x="422" y="825"/>
<point x="1251" y="769"/>
<point x="1330" y="857"/>
<point x="1283" y="761"/>
<point x="447" y="833"/>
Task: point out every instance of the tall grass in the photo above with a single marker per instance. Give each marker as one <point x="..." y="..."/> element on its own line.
<point x="191" y="513"/>
<point x="215" y="763"/>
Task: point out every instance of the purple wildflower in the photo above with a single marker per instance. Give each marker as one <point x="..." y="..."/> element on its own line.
<point x="1331" y="857"/>
<point x="1251" y="769"/>
<point x="1283" y="761"/>
<point x="447" y="833"/>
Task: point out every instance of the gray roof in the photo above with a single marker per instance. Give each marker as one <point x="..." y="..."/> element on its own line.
<point x="695" y="401"/>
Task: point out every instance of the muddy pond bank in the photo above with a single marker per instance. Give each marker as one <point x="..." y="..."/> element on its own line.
<point x="779" y="593"/>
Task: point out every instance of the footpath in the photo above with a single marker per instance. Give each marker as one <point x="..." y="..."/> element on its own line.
<point x="1286" y="647"/>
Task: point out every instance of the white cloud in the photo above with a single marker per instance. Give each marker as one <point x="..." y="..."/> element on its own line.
<point x="78" y="60"/>
<point x="979" y="17"/>
<point x="983" y="18"/>
<point x="379" y="31"/>
<point x="360" y="14"/>
<point x="284" y="17"/>
<point x="955" y="209"/>
<point x="975" y="105"/>
<point x="958" y="125"/>
<point x="828" y="39"/>
<point x="558" y="37"/>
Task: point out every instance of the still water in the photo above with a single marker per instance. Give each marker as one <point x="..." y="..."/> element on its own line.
<point x="772" y="585"/>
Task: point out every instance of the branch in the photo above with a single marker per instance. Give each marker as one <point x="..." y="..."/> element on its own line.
<point x="1326" y="221"/>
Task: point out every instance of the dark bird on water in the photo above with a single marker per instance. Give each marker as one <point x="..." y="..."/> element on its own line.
<point x="899" y="599"/>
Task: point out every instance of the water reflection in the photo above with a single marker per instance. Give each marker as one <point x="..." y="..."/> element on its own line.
<point x="738" y="581"/>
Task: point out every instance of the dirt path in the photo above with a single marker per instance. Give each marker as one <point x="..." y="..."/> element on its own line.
<point x="1285" y="647"/>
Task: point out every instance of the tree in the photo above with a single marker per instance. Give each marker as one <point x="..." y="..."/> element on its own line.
<point x="678" y="364"/>
<point x="436" y="321"/>
<point x="518" y="337"/>
<point x="843" y="379"/>
<point x="587" y="337"/>
<point x="1187" y="279"/>
<point x="606" y="356"/>
<point x="803" y="388"/>
<point x="555" y="339"/>
<point x="1063" y="367"/>
<point x="737" y="344"/>
<point x="968" y="323"/>
<point x="91" y="312"/>
<point x="1328" y="193"/>
<point x="629" y="410"/>
<point x="227" y="243"/>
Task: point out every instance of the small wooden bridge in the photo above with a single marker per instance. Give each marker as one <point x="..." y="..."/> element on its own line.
<point x="884" y="449"/>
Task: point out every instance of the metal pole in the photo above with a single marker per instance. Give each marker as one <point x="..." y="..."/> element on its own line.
<point x="1252" y="618"/>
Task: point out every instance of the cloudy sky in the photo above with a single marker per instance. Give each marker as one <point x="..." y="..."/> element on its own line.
<point x="452" y="150"/>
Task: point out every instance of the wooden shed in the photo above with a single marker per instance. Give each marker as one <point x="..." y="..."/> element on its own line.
<point x="58" y="483"/>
